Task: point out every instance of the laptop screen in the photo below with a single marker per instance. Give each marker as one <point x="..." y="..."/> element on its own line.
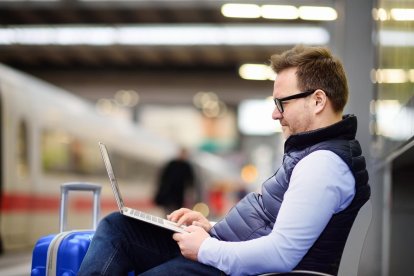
<point x="111" y="175"/>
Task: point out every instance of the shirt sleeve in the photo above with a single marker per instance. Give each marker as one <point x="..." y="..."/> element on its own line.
<point x="320" y="186"/>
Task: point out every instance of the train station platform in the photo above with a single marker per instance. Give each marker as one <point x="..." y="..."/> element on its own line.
<point x="16" y="263"/>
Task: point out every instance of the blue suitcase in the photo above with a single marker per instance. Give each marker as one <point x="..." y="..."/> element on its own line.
<point x="62" y="254"/>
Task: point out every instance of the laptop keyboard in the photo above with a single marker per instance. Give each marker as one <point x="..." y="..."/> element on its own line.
<point x="147" y="216"/>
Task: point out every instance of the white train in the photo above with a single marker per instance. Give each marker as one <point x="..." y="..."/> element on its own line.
<point x="49" y="137"/>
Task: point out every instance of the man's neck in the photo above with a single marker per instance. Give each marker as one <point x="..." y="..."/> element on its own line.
<point x="328" y="119"/>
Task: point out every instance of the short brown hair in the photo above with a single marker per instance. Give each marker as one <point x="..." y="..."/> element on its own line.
<point x="316" y="69"/>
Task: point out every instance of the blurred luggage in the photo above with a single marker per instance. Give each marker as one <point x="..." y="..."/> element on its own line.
<point x="62" y="254"/>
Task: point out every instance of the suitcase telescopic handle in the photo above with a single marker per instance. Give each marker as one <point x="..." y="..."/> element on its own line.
<point x="79" y="186"/>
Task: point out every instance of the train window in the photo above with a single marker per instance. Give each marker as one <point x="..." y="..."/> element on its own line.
<point x="22" y="151"/>
<point x="65" y="153"/>
<point x="91" y="158"/>
<point x="54" y="151"/>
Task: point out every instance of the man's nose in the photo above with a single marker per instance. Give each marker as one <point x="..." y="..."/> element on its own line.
<point x="276" y="114"/>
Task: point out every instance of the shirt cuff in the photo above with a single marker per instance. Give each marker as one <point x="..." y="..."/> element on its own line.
<point x="208" y="251"/>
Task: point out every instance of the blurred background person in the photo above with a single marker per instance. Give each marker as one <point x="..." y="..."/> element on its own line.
<point x="176" y="178"/>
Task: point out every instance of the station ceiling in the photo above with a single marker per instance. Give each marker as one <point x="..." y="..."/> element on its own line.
<point x="221" y="56"/>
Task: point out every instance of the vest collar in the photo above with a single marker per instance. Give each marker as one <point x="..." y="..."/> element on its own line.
<point x="344" y="129"/>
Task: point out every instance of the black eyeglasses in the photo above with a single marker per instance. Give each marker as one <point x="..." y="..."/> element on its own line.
<point x="279" y="102"/>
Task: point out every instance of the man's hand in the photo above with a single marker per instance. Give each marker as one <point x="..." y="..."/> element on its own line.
<point x="190" y="242"/>
<point x="189" y="217"/>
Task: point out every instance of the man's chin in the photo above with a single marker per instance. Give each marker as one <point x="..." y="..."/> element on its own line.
<point x="285" y="132"/>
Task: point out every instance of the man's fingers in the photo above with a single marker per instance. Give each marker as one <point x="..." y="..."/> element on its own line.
<point x="174" y="216"/>
<point x="177" y="237"/>
<point x="184" y="218"/>
<point x="190" y="217"/>
<point x="193" y="228"/>
<point x="198" y="224"/>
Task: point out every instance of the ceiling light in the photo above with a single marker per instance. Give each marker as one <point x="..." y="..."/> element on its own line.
<point x="280" y="12"/>
<point x="402" y="14"/>
<point x="317" y="13"/>
<point x="222" y="35"/>
<point x="241" y="10"/>
<point x="30" y="0"/>
<point x="203" y="34"/>
<point x="411" y="75"/>
<point x="126" y="98"/>
<point x="391" y="76"/>
<point x="256" y="72"/>
<point x="114" y="0"/>
<point x="379" y="14"/>
<point x="396" y="38"/>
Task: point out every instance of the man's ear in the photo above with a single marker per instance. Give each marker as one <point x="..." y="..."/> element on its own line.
<point x="320" y="99"/>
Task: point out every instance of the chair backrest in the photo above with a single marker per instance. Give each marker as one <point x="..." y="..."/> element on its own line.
<point x="353" y="248"/>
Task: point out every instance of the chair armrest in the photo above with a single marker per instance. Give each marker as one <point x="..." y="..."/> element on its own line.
<point x="297" y="272"/>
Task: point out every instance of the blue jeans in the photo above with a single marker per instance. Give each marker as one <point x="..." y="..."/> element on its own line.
<point x="123" y="244"/>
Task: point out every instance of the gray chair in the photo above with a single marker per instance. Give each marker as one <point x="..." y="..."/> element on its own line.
<point x="298" y="273"/>
<point x="355" y="243"/>
<point x="353" y="248"/>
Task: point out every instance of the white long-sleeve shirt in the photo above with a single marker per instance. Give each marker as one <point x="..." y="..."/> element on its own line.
<point x="320" y="186"/>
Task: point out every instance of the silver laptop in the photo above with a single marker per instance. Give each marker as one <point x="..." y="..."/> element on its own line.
<point x="133" y="213"/>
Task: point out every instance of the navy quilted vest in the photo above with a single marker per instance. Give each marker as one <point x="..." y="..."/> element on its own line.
<point x="255" y="214"/>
